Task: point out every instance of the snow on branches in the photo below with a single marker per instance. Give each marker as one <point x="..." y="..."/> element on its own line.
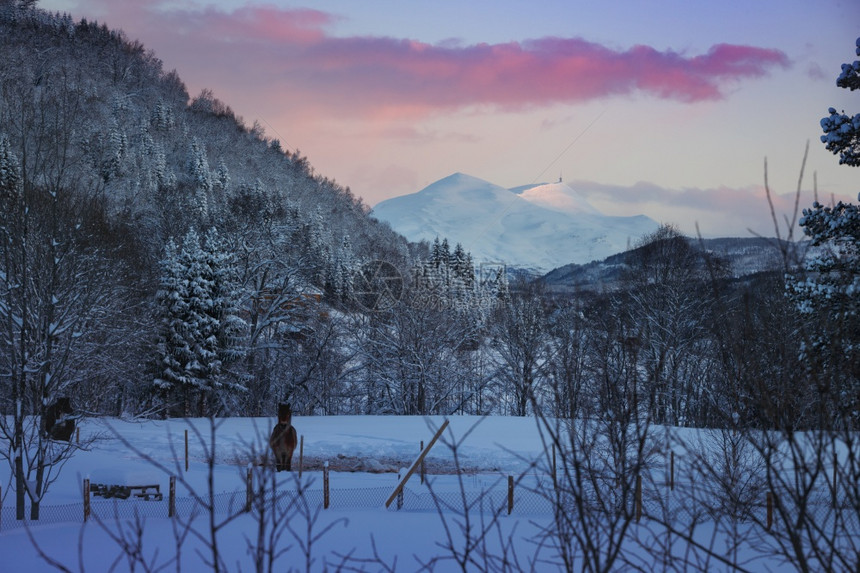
<point x="199" y="321"/>
<point x="842" y="132"/>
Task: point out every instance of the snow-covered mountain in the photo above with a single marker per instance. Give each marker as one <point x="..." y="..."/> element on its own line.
<point x="557" y="197"/>
<point x="537" y="227"/>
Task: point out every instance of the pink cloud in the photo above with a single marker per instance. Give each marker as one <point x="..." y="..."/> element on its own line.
<point x="289" y="51"/>
<point x="716" y="209"/>
<point x="263" y="24"/>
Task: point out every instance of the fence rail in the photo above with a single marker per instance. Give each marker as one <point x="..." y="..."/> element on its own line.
<point x="671" y="500"/>
<point x="677" y="504"/>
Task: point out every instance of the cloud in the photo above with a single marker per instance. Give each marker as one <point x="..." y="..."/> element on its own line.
<point x="412" y="134"/>
<point x="814" y="72"/>
<point x="290" y="51"/>
<point x="721" y="211"/>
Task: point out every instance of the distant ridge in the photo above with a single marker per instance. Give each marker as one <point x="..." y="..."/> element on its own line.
<point x="537" y="227"/>
<point x="745" y="258"/>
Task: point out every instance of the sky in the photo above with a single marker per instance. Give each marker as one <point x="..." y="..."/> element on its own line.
<point x="667" y="108"/>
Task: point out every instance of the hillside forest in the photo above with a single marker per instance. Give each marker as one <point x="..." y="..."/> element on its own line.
<point x="163" y="257"/>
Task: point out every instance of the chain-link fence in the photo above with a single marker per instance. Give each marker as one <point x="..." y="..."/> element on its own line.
<point x="679" y="504"/>
<point x="229" y="503"/>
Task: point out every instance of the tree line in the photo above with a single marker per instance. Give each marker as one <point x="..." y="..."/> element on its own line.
<point x="160" y="257"/>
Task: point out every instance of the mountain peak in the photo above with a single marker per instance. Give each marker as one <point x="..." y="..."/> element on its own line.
<point x="542" y="227"/>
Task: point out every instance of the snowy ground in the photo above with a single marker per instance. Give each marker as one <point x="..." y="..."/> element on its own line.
<point x="363" y="453"/>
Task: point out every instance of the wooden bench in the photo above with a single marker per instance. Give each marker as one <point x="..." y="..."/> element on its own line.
<point x="145" y="492"/>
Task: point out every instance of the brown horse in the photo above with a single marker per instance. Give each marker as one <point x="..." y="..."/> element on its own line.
<point x="284" y="440"/>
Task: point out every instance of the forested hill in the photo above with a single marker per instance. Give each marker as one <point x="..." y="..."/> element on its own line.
<point x="94" y="113"/>
<point x="109" y="171"/>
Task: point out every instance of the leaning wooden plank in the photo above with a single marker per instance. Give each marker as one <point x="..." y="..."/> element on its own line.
<point x="417" y="463"/>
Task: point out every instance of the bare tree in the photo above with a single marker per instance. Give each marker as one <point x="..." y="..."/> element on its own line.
<point x="53" y="280"/>
<point x="520" y="341"/>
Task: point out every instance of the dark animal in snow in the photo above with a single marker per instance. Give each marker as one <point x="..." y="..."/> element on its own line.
<point x="283" y="440"/>
<point x="59" y="422"/>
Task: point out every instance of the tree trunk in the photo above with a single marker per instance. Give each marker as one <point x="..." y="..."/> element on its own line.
<point x="36" y="497"/>
<point x="19" y="483"/>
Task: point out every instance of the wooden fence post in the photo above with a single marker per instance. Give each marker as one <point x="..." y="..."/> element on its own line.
<point x="672" y="470"/>
<point x="249" y="491"/>
<point x="638" y="498"/>
<point x="326" y="498"/>
<point x="769" y="510"/>
<point x="186" y="449"/>
<point x="416" y="464"/>
<point x="19" y="489"/>
<point x="171" y="497"/>
<point x="301" y="453"/>
<point x="510" y="494"/>
<point x="400" y="473"/>
<point x="835" y="482"/>
<point x="86" y="500"/>
<point x="423" y="468"/>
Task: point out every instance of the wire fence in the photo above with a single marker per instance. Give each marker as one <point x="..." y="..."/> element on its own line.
<point x="679" y="504"/>
<point x="230" y="503"/>
<point x="539" y="493"/>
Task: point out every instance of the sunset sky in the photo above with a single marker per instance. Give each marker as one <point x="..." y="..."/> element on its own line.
<point x="667" y="108"/>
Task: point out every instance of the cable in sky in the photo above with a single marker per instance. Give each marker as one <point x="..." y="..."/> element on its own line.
<point x="575" y="139"/>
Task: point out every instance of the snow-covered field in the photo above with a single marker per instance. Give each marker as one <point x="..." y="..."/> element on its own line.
<point x="363" y="453"/>
<point x="356" y="533"/>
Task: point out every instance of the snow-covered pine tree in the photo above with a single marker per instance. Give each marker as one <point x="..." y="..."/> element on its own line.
<point x="116" y="147"/>
<point x="841" y="132"/>
<point x="165" y="177"/>
<point x="434" y="280"/>
<point x="462" y="276"/>
<point x="200" y="327"/>
<point x="445" y="258"/>
<point x="346" y="266"/>
<point x="174" y="347"/>
<point x="225" y="294"/>
<point x="318" y="252"/>
<point x="222" y="175"/>
<point x="827" y="286"/>
<point x="162" y="117"/>
<point x="827" y="289"/>
<point x="201" y="178"/>
<point x="10" y="171"/>
<point x="436" y="255"/>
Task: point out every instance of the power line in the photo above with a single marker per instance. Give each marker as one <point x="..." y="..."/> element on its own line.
<point x="575" y="139"/>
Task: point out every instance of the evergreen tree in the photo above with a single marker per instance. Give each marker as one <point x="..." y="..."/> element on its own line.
<point x="10" y="171"/>
<point x="162" y="116"/>
<point x="222" y="175"/>
<point x="201" y="178"/>
<point x="841" y="132"/>
<point x="826" y="290"/>
<point x="200" y="326"/>
<point x="174" y="346"/>
<point x="827" y="286"/>
<point x="462" y="275"/>
<point x="346" y="266"/>
<point x="436" y="253"/>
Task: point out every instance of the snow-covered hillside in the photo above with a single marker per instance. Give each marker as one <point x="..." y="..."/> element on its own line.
<point x="558" y="197"/>
<point x="538" y="227"/>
